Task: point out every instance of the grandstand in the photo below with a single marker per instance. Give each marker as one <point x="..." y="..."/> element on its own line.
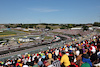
<point x="73" y="51"/>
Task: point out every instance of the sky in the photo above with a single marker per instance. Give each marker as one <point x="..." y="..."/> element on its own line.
<point x="49" y="11"/>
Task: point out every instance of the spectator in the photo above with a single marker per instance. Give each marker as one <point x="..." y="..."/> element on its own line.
<point x="35" y="63"/>
<point x="78" y="53"/>
<point x="56" y="52"/>
<point x="25" y="65"/>
<point x="85" y="58"/>
<point x="93" y="60"/>
<point x="56" y="63"/>
<point x="40" y="63"/>
<point x="85" y="65"/>
<point x="64" y="60"/>
<point x="50" y="58"/>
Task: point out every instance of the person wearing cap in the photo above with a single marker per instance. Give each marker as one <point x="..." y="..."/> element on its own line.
<point x="64" y="60"/>
<point x="19" y="63"/>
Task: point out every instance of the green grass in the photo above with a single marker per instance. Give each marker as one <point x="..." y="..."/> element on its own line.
<point x="34" y="36"/>
<point x="30" y="31"/>
<point x="48" y="37"/>
<point x="7" y="33"/>
<point x="77" y="27"/>
<point x="55" y="27"/>
<point x="52" y="27"/>
<point x="41" y="26"/>
<point x="34" y="31"/>
<point x="57" y="32"/>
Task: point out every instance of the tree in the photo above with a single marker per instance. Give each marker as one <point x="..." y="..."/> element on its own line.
<point x="30" y="26"/>
<point x="70" y="25"/>
<point x="96" y="24"/>
<point x="85" y="27"/>
<point x="7" y="40"/>
<point x="24" y="26"/>
<point x="63" y="27"/>
<point x="7" y="26"/>
<point x="47" y="27"/>
<point x="1" y="39"/>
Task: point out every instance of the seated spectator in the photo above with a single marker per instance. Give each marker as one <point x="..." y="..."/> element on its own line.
<point x="85" y="65"/>
<point x="85" y="58"/>
<point x="59" y="58"/>
<point x="56" y="63"/>
<point x="46" y="63"/>
<point x="40" y="63"/>
<point x="79" y="58"/>
<point x="56" y="52"/>
<point x="35" y="63"/>
<point x="50" y="58"/>
<point x="51" y="66"/>
<point x="64" y="60"/>
<point x="25" y="65"/>
<point x="78" y="53"/>
<point x="93" y="60"/>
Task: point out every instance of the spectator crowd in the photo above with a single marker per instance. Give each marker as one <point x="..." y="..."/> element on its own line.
<point x="80" y="54"/>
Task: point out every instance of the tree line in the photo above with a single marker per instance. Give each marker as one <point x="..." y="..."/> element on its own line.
<point x="63" y="26"/>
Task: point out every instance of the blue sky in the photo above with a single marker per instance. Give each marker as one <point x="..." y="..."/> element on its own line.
<point x="49" y="11"/>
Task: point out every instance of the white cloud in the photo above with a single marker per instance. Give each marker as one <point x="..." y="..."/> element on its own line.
<point x="44" y="10"/>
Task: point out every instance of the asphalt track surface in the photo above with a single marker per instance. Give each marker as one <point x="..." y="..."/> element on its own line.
<point x="22" y="50"/>
<point x="29" y="48"/>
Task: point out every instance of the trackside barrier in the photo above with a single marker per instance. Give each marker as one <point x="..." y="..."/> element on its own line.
<point x="15" y="56"/>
